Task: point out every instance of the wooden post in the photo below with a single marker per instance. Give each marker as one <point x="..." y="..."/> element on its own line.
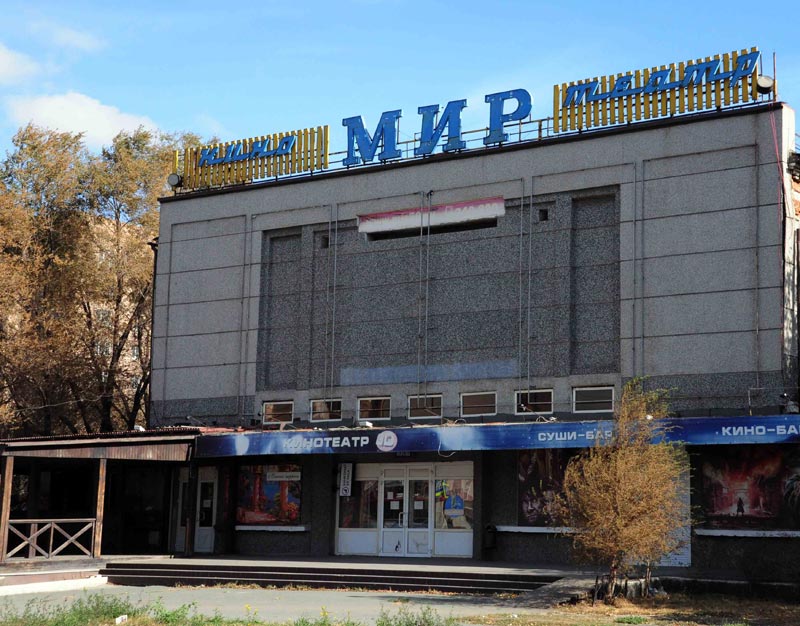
<point x="5" y="504"/>
<point x="34" y="484"/>
<point x="97" y="541"/>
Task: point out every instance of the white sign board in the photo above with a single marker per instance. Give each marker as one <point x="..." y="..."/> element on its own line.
<point x="345" y="478"/>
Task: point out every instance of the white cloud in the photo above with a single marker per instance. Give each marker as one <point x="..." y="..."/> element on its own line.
<point x="66" y="37"/>
<point x="209" y="125"/>
<point x="76" y="113"/>
<point x="15" y="66"/>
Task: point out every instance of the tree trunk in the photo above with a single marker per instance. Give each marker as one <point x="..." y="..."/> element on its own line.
<point x="612" y="583"/>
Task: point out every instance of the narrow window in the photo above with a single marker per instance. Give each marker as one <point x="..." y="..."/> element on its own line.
<point x="374" y="408"/>
<point x="534" y="401"/>
<point x="593" y="399"/>
<point x="478" y="404"/>
<point x="278" y="412"/>
<point x="422" y="407"/>
<point x="326" y="410"/>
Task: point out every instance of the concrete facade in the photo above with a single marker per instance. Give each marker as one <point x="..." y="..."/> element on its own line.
<point x="658" y="250"/>
<point x="665" y="249"/>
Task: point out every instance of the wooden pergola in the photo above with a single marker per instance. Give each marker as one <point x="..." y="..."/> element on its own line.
<point x="48" y="537"/>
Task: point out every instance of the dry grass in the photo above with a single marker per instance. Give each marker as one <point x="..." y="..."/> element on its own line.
<point x="675" y="610"/>
<point x="353" y="589"/>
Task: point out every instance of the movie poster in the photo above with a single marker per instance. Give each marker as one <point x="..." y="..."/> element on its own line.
<point x="540" y="480"/>
<point x="269" y="495"/>
<point x="750" y="487"/>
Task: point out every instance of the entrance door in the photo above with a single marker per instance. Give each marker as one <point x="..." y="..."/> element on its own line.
<point x="206" y="510"/>
<point x="406" y="522"/>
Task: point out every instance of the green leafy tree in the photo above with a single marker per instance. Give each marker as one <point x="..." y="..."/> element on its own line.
<point x="625" y="496"/>
<point x="76" y="279"/>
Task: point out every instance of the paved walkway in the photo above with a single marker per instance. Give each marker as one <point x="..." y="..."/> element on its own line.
<point x="282" y="605"/>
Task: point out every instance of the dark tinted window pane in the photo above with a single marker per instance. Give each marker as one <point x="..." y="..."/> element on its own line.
<point x="425" y="406"/>
<point x="478" y="404"/>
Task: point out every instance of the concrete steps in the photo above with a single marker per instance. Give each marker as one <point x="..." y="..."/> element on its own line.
<point x="372" y="577"/>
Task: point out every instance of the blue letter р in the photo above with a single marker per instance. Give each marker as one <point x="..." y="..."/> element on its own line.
<point x="496" y="116"/>
<point x="451" y="118"/>
<point x="367" y="146"/>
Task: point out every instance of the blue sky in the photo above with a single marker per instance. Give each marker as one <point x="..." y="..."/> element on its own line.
<point x="236" y="69"/>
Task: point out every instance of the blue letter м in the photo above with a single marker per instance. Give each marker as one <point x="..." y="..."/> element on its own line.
<point x="367" y="146"/>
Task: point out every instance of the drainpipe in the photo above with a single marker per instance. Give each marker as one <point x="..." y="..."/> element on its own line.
<point x="154" y="247"/>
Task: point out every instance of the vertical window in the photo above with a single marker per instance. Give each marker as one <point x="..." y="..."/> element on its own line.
<point x="360" y="510"/>
<point x="422" y="407"/>
<point x="478" y="404"/>
<point x="593" y="399"/>
<point x="374" y="408"/>
<point x="326" y="410"/>
<point x="534" y="401"/>
<point x="277" y="412"/>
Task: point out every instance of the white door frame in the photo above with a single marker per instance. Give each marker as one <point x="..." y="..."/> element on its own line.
<point x="393" y="532"/>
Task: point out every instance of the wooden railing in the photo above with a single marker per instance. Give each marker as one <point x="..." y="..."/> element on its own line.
<point x="46" y="538"/>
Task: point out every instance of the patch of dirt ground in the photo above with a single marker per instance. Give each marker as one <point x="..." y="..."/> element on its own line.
<point x="673" y="610"/>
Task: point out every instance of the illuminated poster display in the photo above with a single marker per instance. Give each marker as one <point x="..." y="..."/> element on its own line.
<point x="540" y="480"/>
<point x="750" y="487"/>
<point x="269" y="495"/>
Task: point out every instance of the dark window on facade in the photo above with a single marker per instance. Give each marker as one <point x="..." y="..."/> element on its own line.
<point x="324" y="410"/>
<point x="478" y="404"/>
<point x="534" y="401"/>
<point x="425" y="406"/>
<point x="278" y="412"/>
<point x="434" y="230"/>
<point x="374" y="408"/>
<point x="595" y="399"/>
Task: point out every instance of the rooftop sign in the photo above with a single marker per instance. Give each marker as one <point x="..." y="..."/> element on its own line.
<point x="664" y="91"/>
<point x="685" y="87"/>
<point x="257" y="158"/>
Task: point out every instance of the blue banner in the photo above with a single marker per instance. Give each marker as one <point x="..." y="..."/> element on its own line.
<point x="525" y="436"/>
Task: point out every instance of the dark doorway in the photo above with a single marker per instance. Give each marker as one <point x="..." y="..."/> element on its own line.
<point x="136" y="508"/>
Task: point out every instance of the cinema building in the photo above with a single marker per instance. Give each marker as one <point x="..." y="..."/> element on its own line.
<point x="397" y="355"/>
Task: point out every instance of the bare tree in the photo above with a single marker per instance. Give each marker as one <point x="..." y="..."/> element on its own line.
<point x="625" y="496"/>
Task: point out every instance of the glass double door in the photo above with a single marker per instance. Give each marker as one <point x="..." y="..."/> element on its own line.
<point x="405" y="515"/>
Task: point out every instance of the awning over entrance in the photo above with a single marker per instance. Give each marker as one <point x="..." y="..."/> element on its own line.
<point x="689" y="430"/>
<point x="163" y="445"/>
